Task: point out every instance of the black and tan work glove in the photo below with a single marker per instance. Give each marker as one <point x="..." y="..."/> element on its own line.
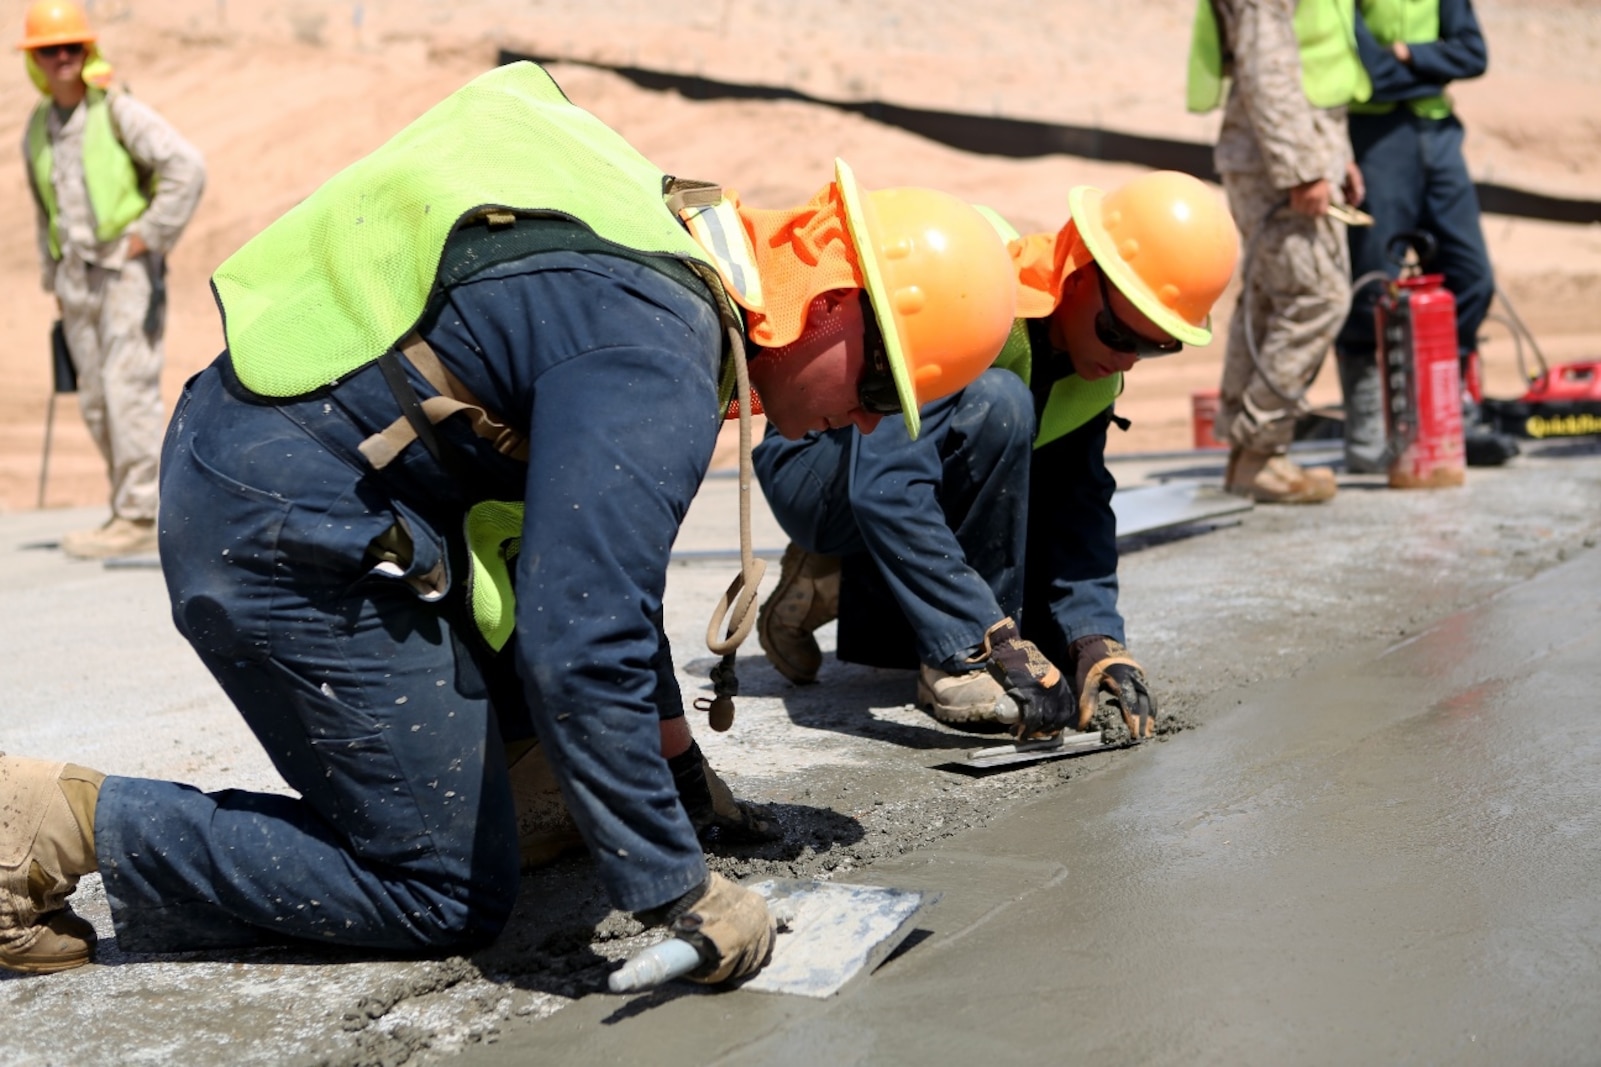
<point x="719" y="817"/>
<point x="726" y="923"/>
<point x="1044" y="700"/>
<point x="1104" y="670"/>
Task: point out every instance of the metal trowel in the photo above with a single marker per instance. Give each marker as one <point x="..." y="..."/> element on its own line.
<point x="998" y="756"/>
<point x="829" y="933"/>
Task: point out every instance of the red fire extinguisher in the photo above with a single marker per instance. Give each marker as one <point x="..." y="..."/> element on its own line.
<point x="1415" y="322"/>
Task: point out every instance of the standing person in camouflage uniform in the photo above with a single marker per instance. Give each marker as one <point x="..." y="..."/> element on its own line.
<point x="114" y="185"/>
<point x="1284" y="156"/>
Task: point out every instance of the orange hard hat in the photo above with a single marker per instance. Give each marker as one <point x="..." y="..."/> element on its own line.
<point x="51" y="22"/>
<point x="1167" y="241"/>
<point x="941" y="283"/>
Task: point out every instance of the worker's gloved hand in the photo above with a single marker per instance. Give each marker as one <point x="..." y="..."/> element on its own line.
<point x="1103" y="668"/>
<point x="1043" y="697"/>
<point x="719" y="817"/>
<point x="726" y="923"/>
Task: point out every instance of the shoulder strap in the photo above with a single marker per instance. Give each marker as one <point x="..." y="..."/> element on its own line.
<point x="420" y="415"/>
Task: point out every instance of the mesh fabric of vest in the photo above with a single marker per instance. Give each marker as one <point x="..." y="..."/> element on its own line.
<point x="115" y="194"/>
<point x="1415" y="23"/>
<point x="347" y="273"/>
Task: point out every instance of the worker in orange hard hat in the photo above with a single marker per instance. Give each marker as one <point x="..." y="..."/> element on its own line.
<point x="114" y="186"/>
<point x="419" y="515"/>
<point x="931" y="552"/>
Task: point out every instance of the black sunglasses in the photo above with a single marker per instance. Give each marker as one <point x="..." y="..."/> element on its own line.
<point x="1115" y="334"/>
<point x="50" y="51"/>
<point x="876" y="390"/>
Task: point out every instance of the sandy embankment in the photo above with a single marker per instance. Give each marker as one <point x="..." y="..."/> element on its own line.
<point x="280" y="97"/>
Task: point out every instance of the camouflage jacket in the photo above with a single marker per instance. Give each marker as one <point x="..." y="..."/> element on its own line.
<point x="178" y="176"/>
<point x="1268" y="123"/>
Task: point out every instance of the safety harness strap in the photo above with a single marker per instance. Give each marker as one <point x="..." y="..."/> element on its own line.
<point x="420" y="416"/>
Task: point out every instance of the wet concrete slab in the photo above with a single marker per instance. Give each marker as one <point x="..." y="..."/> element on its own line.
<point x="1237" y="609"/>
<point x="1381" y="859"/>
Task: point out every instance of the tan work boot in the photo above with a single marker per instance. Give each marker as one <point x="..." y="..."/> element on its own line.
<point x="1269" y="478"/>
<point x="46" y="844"/>
<point x="967" y="699"/>
<point x="545" y="829"/>
<point x="118" y="537"/>
<point x="807" y="597"/>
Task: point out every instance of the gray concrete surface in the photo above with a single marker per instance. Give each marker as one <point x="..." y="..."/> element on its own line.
<point x="1377" y="845"/>
<point x="1387" y="860"/>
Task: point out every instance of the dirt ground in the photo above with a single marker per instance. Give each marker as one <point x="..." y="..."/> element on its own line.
<point x="281" y="95"/>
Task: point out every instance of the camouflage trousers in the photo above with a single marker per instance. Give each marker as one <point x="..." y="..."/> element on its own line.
<point x="1296" y="289"/>
<point x="119" y="374"/>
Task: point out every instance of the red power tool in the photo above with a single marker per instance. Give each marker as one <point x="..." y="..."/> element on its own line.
<point x="1562" y="401"/>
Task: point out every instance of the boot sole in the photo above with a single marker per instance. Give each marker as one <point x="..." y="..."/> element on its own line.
<point x="780" y="663"/>
<point x="28" y="965"/>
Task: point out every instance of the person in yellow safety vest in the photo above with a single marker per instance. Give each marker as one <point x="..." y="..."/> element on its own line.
<point x="1408" y="144"/>
<point x="1284" y="74"/>
<point x="996" y="522"/>
<point x="419" y="513"/>
<point x="114" y="185"/>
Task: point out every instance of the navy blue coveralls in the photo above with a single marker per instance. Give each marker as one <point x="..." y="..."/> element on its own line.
<point x="944" y="536"/>
<point x="1417" y="179"/>
<point x="376" y="698"/>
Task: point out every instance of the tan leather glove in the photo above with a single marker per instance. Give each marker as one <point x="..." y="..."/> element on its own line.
<point x="1043" y="697"/>
<point x="720" y="818"/>
<point x="1104" y="668"/>
<point x="730" y="928"/>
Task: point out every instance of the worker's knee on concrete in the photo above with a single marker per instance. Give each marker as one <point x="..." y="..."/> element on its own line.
<point x="468" y="912"/>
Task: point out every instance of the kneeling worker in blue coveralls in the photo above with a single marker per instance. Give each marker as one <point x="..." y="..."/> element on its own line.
<point x="933" y="550"/>
<point x="423" y="506"/>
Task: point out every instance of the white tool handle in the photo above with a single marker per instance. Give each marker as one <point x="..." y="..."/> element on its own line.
<point x="674" y="958"/>
<point x="1006" y="710"/>
<point x="654" y="966"/>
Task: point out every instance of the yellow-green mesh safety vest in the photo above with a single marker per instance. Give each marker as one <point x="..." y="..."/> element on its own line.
<point x="1072" y="401"/>
<point x="1332" y="74"/>
<point x="115" y="195"/>
<point x="1412" y="21"/>
<point x="347" y="273"/>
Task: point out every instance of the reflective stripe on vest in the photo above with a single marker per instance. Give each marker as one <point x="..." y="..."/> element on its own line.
<point x="115" y="198"/>
<point x="720" y="233"/>
<point x="1332" y="74"/>
<point x="1412" y="21"/>
<point x="347" y="273"/>
<point x="1072" y="401"/>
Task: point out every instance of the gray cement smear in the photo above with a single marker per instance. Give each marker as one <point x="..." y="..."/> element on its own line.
<point x="1377" y="844"/>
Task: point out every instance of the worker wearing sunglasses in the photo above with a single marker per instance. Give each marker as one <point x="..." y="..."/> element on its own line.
<point x="928" y="551"/>
<point x="114" y="186"/>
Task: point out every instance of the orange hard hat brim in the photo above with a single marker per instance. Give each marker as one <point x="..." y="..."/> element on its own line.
<point x="45" y="40"/>
<point x="859" y="218"/>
